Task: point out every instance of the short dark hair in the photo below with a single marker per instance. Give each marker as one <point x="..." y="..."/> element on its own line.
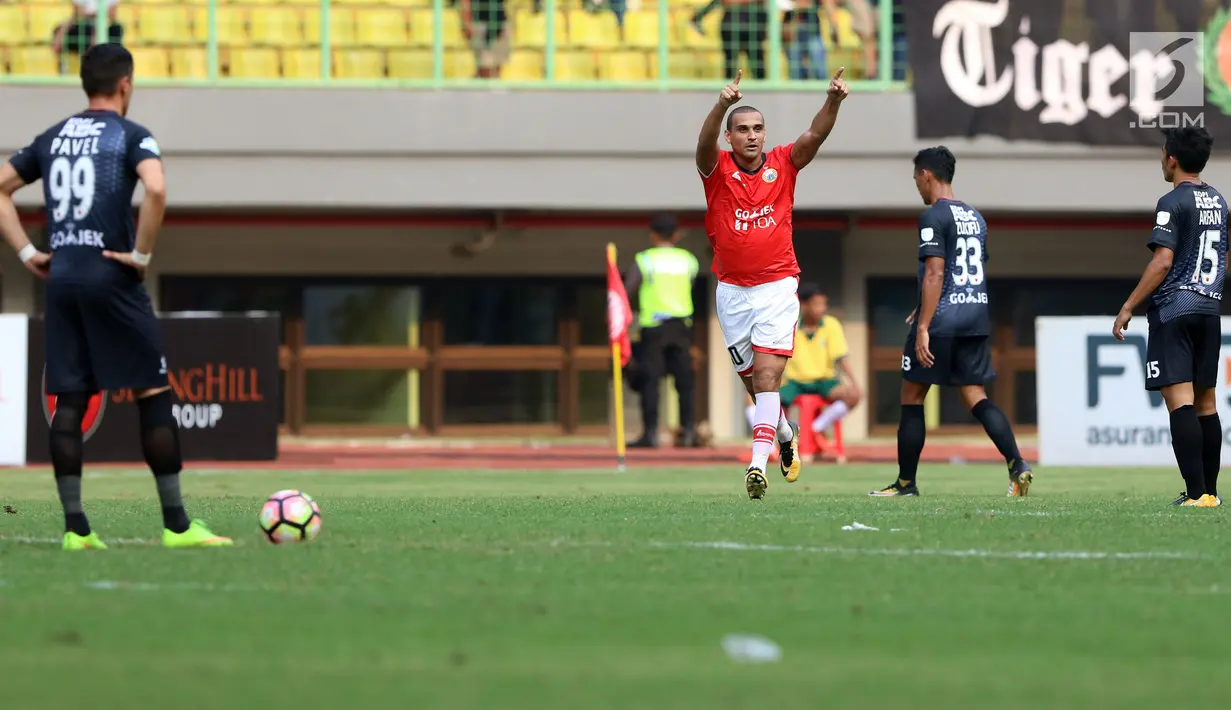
<point x="808" y="291"/>
<point x="102" y="68"/>
<point x="738" y="111"/>
<point x="664" y="225"/>
<point x="939" y="161"/>
<point x="1190" y="146"/>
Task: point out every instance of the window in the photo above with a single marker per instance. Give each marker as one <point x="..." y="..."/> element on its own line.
<point x="226" y="295"/>
<point x="485" y="312"/>
<point x="362" y="315"/>
<point x="501" y="397"/>
<point x="380" y="397"/>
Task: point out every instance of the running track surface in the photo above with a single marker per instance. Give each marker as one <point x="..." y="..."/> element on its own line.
<point x="454" y="455"/>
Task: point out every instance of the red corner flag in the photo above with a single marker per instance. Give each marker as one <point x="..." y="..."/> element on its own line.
<point x="619" y="312"/>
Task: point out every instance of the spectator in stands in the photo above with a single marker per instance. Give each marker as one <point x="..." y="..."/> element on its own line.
<point x="486" y="24"/>
<point x="76" y="34"/>
<point x="745" y="25"/>
<point x="805" y="50"/>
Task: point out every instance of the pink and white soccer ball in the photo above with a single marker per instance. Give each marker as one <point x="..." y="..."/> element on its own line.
<point x="290" y="516"/>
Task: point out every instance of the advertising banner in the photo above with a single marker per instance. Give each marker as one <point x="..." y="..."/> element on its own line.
<point x="13" y="330"/>
<point x="1099" y="72"/>
<point x="1094" y="409"/>
<point x="224" y="377"/>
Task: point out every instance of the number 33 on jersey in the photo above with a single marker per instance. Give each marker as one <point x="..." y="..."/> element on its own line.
<point x="957" y="233"/>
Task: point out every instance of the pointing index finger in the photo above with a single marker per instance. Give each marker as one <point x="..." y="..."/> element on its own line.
<point x="838" y="74"/>
<point x="738" y="74"/>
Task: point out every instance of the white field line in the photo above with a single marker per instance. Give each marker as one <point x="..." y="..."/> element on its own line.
<point x="56" y="540"/>
<point x="933" y="552"/>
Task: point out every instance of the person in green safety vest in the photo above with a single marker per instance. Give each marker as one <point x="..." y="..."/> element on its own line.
<point x="659" y="285"/>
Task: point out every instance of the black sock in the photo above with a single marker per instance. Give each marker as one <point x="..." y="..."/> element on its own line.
<point x="160" y="442"/>
<point x="998" y="429"/>
<point x="912" y="432"/>
<point x="66" y="454"/>
<point x="1211" y="450"/>
<point x="1186" y="442"/>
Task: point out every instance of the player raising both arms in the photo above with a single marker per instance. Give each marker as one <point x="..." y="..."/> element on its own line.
<point x="749" y="197"/>
<point x="950" y="344"/>
<point x="1184" y="283"/>
<point x="101" y="330"/>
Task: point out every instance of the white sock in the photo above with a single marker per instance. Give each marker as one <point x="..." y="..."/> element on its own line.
<point x="750" y="413"/>
<point x="785" y="434"/>
<point x="832" y="413"/>
<point x="765" y="432"/>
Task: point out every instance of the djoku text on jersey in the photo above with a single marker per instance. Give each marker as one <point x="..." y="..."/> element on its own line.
<point x="1191" y="220"/>
<point x="88" y="167"/>
<point x="956" y="232"/>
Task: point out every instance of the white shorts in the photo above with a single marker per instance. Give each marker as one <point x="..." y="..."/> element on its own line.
<point x="762" y="318"/>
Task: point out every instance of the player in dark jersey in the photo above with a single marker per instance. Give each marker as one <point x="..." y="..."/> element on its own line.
<point x="951" y="342"/>
<point x="1184" y="285"/>
<point x="101" y="331"/>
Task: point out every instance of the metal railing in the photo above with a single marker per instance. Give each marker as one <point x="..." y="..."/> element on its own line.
<point x="460" y="44"/>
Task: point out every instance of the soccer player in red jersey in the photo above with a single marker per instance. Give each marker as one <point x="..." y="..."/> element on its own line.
<point x="749" y="197"/>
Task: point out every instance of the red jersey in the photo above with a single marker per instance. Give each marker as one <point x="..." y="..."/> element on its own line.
<point x="748" y="219"/>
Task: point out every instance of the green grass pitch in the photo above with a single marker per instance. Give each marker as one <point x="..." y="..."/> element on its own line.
<point x="583" y="589"/>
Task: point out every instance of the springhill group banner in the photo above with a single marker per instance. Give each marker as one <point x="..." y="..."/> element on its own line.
<point x="1098" y="72"/>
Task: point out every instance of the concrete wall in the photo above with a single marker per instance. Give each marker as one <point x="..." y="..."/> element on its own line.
<point x="551" y="150"/>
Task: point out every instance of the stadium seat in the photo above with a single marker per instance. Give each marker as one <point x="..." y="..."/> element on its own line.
<point x="381" y="27"/>
<point x="34" y="60"/>
<point x="189" y="63"/>
<point x="710" y="65"/>
<point x="12" y="24"/>
<point x="423" y="29"/>
<point x="530" y="30"/>
<point x="524" y="65"/>
<point x="623" y="66"/>
<point x="641" y="30"/>
<point x="341" y="27"/>
<point x="254" y="63"/>
<point x="811" y="443"/>
<point x="44" y="19"/>
<point x="301" y="63"/>
<point x="680" y="65"/>
<point x="167" y="24"/>
<point x="150" y="62"/>
<point x="688" y="36"/>
<point x="593" y="30"/>
<point x="460" y="64"/>
<point x="359" y="64"/>
<point x="575" y="66"/>
<point x="412" y="64"/>
<point x="277" y="26"/>
<point x="414" y="3"/>
<point x="232" y="24"/>
<point x="130" y="17"/>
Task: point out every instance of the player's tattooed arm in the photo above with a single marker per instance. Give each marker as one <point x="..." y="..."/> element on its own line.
<point x="823" y="122"/>
<point x="707" y="142"/>
<point x="1154" y="274"/>
<point x="34" y="260"/>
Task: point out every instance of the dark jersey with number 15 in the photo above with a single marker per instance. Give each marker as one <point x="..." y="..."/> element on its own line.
<point x="1191" y="220"/>
<point x="88" y="165"/>
<point x="957" y="233"/>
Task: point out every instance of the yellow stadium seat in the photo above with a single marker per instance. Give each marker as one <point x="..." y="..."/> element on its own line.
<point x="641" y="30"/>
<point x="381" y="27"/>
<point x="70" y="64"/>
<point x="413" y="3"/>
<point x="301" y="63"/>
<point x="129" y="17"/>
<point x="711" y="65"/>
<point x="530" y="30"/>
<point x="12" y="24"/>
<point x="685" y="34"/>
<point x="232" y="24"/>
<point x="341" y="27"/>
<point x="278" y="26"/>
<point x="165" y="24"/>
<point x="150" y="62"/>
<point x="44" y="19"/>
<point x="359" y="64"/>
<point x="34" y="60"/>
<point x="256" y="2"/>
<point x="254" y="63"/>
<point x="412" y="64"/>
<point x="623" y="66"/>
<point x="524" y="65"/>
<point x="423" y="29"/>
<point x="460" y="64"/>
<point x="189" y="63"/>
<point x="312" y="3"/>
<point x="575" y="66"/>
<point x="592" y="30"/>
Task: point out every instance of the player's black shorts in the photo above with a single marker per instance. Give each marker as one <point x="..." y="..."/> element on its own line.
<point x="102" y="337"/>
<point x="1184" y="349"/>
<point x="960" y="360"/>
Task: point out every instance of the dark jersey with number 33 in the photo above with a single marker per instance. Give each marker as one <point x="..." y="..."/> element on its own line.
<point x="1191" y="220"/>
<point x="88" y="165"/>
<point x="957" y="233"/>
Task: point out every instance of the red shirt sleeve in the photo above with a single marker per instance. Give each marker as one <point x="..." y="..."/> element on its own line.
<point x="785" y="164"/>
